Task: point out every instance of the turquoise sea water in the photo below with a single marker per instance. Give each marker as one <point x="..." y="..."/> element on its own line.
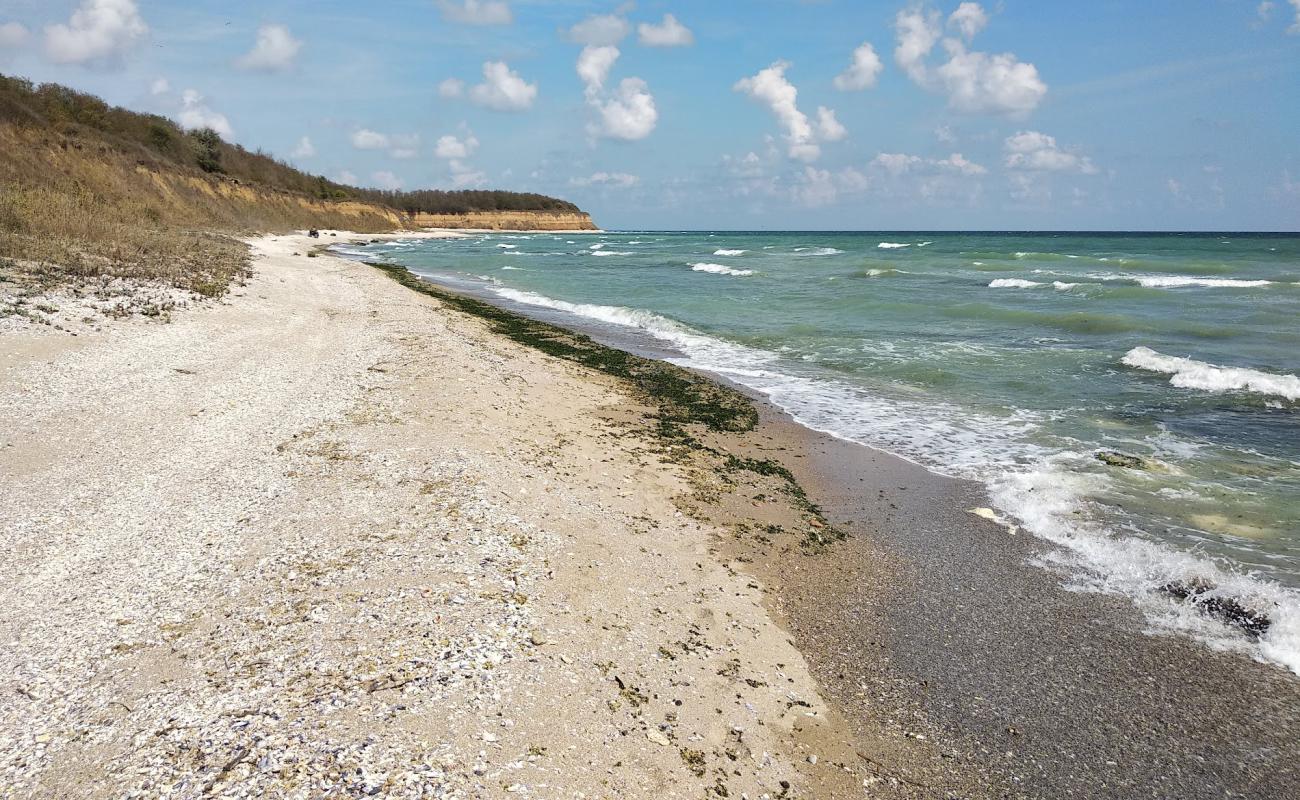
<point x="1010" y="359"/>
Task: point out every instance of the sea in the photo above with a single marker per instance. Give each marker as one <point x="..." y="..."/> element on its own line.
<point x="1010" y="359"/>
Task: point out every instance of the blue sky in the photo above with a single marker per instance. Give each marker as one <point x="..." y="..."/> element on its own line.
<point x="1007" y="114"/>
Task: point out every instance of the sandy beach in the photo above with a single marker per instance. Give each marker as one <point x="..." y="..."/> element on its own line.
<point x="324" y="537"/>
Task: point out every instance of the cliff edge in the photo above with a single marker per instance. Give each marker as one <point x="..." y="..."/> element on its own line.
<point x="507" y="221"/>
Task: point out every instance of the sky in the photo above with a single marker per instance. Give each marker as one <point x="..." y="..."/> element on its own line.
<point x="763" y="114"/>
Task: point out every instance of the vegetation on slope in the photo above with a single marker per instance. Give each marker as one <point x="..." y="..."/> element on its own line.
<point x="88" y="189"/>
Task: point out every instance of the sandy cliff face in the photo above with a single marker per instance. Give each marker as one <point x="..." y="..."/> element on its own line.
<point x="508" y="221"/>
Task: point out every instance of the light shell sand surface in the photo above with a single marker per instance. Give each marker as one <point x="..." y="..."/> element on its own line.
<point x="324" y="538"/>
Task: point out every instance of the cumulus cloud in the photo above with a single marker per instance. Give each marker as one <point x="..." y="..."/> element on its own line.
<point x="304" y="149"/>
<point x="828" y="127"/>
<point x="464" y="176"/>
<point x="12" y="36"/>
<point x="771" y="88"/>
<point x="195" y="114"/>
<point x="386" y="180"/>
<point x="502" y="89"/>
<point x="669" y="33"/>
<point x="899" y="163"/>
<point x="160" y="86"/>
<point x="452" y="87"/>
<point x="405" y="146"/>
<point x="476" y="12"/>
<point x="628" y="112"/>
<point x="450" y="147"/>
<point x="594" y="64"/>
<point x="1294" y="30"/>
<point x="820" y="187"/>
<point x="274" y="51"/>
<point x="975" y="82"/>
<point x="600" y="29"/>
<point x="366" y="139"/>
<point x="969" y="19"/>
<point x="98" y="31"/>
<point x="346" y="178"/>
<point x="1032" y="151"/>
<point x="620" y="180"/>
<point x="863" y="72"/>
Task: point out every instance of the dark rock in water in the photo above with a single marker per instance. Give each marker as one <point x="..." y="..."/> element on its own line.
<point x="1117" y="459"/>
<point x="1228" y="609"/>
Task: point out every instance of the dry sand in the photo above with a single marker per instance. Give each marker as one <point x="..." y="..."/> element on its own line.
<point x="326" y="538"/>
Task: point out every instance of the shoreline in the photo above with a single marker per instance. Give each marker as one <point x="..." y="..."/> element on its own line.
<point x="1053" y="655"/>
<point x="471" y="553"/>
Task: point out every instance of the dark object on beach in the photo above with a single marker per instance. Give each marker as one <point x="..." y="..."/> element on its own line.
<point x="313" y="233"/>
<point x="1254" y="623"/>
<point x="1117" y="459"/>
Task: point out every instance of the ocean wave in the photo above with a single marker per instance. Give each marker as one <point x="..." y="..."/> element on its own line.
<point x="611" y="253"/>
<point x="818" y="251"/>
<point x="1044" y="490"/>
<point x="725" y="252"/>
<point x="718" y="269"/>
<point x="1191" y="374"/>
<point x="508" y="246"/>
<point x="892" y="245"/>
<point x="880" y="273"/>
<point x="1013" y="283"/>
<point x="521" y="269"/>
<point x="1174" y="281"/>
<point x="595" y="246"/>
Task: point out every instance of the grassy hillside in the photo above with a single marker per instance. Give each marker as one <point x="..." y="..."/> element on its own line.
<point x="87" y="189"/>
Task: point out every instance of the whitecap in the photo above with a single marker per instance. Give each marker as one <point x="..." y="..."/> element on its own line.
<point x="508" y="246"/>
<point x="1013" y="283"/>
<point x="892" y="245"/>
<point x="725" y="252"/>
<point x="611" y="253"/>
<point x="718" y="269"/>
<point x="1188" y="373"/>
<point x="1063" y="286"/>
<point x="1174" y="281"/>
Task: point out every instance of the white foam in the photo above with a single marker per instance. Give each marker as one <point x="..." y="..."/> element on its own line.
<point x="725" y="252"/>
<point x="877" y="273"/>
<point x="611" y="253"/>
<point x="1013" y="283"/>
<point x="719" y="269"/>
<point x="1191" y="374"/>
<point x="1062" y="286"/>
<point x="517" y="268"/>
<point x="508" y="246"/>
<point x="892" y="245"/>
<point x="1171" y="281"/>
<point x="595" y="246"/>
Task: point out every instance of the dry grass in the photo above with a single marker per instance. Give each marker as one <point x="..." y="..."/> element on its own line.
<point x="74" y="209"/>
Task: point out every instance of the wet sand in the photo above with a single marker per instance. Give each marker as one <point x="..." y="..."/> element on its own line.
<point x="930" y="613"/>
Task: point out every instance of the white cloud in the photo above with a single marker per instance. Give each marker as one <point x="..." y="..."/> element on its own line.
<point x="386" y="180"/>
<point x="98" y="31"/>
<point x="1295" y="26"/>
<point x="1175" y="188"/>
<point x="828" y="127"/>
<point x="274" y="51"/>
<point x="1264" y="10"/>
<point x="669" y="33"/>
<point x="594" y="64"/>
<point x="450" y="147"/>
<point x="304" y="149"/>
<point x="1037" y="152"/>
<point x="600" y="29"/>
<point x="969" y="19"/>
<point x="502" y="89"/>
<point x="958" y="162"/>
<point x="899" y="163"/>
<point x="160" y="86"/>
<point x="463" y="176"/>
<point x="771" y="88"/>
<point x="404" y="146"/>
<point x="863" y="72"/>
<point x="628" y="114"/>
<point x="366" y="139"/>
<point x="476" y="12"/>
<point x="452" y="87"/>
<point x="195" y="114"/>
<point x="346" y="178"/>
<point x="975" y="82"/>
<point x="13" y="36"/>
<point x="819" y="187"/>
<point x="944" y="134"/>
<point x="620" y="180"/>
